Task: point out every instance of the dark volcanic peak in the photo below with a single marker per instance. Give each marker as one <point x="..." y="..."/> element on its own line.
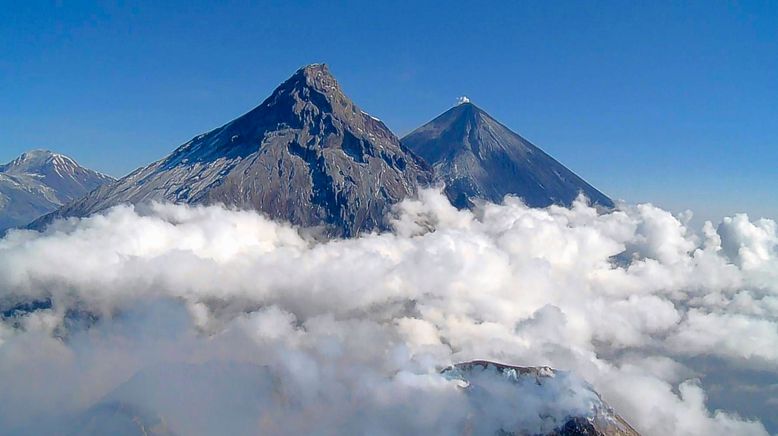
<point x="479" y="158"/>
<point x="307" y="154"/>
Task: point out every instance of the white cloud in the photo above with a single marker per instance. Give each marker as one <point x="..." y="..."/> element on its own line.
<point x="354" y="332"/>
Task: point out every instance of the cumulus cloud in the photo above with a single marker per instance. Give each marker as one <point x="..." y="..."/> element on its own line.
<point x="259" y="326"/>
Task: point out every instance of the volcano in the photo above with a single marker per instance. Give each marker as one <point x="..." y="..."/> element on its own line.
<point x="307" y="155"/>
<point x="476" y="157"/>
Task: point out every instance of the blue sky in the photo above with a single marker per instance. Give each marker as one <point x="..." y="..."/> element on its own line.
<point x="675" y="103"/>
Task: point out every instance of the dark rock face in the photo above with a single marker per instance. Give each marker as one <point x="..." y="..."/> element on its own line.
<point x="307" y="155"/>
<point x="38" y="182"/>
<point x="479" y="158"/>
<point x="591" y="417"/>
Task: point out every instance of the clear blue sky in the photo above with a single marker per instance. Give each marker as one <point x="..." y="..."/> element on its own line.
<point x="670" y="102"/>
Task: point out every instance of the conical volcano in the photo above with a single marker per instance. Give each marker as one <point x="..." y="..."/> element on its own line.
<point x="479" y="158"/>
<point x="307" y="155"/>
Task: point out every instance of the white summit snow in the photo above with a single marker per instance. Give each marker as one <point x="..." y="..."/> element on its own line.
<point x="38" y="182"/>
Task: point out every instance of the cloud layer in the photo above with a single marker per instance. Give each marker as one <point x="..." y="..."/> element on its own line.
<point x="261" y="325"/>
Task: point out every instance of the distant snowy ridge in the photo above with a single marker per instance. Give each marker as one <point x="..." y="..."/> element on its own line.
<point x="39" y="182"/>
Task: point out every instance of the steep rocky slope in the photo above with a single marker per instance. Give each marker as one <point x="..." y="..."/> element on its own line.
<point x="307" y="155"/>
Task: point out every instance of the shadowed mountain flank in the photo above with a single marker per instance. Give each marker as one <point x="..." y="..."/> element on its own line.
<point x="479" y="158"/>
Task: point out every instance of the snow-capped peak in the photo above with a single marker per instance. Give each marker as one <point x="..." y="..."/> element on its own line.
<point x="45" y="163"/>
<point x="38" y="182"/>
<point x="35" y="161"/>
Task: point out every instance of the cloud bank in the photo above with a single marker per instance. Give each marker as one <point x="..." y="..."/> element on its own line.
<point x="204" y="320"/>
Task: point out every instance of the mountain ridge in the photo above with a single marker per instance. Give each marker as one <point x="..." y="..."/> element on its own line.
<point x="40" y="181"/>
<point x="307" y="154"/>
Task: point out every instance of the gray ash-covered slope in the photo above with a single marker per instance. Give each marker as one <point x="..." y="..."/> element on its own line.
<point x="479" y="158"/>
<point x="307" y="155"/>
<point x="535" y="401"/>
<point x="38" y="182"/>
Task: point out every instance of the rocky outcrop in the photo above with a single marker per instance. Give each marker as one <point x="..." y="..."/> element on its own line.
<point x="535" y="401"/>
